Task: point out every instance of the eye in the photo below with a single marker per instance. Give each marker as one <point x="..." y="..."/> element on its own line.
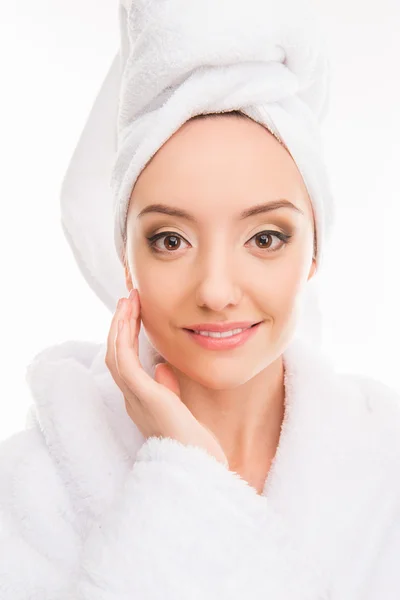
<point x="175" y="241"/>
<point x="266" y="237"/>
<point x="168" y="248"/>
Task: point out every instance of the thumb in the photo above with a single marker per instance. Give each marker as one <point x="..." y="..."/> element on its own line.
<point x="164" y="374"/>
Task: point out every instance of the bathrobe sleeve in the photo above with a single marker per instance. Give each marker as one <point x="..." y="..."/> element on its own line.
<point x="39" y="543"/>
<point x="185" y="526"/>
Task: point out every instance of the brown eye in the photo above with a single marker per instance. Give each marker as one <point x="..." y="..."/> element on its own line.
<point x="171" y="245"/>
<point x="266" y="240"/>
<point x="170" y="242"/>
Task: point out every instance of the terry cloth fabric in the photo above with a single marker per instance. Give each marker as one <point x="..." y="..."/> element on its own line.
<point x="90" y="510"/>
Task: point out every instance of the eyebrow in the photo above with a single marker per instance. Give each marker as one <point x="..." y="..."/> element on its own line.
<point x="249" y="212"/>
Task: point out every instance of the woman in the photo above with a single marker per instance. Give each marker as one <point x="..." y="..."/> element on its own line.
<point x="178" y="465"/>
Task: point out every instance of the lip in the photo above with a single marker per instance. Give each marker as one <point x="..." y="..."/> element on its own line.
<point x="227" y="343"/>
<point x="221" y="326"/>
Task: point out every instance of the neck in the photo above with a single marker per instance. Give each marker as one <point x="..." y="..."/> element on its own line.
<point x="246" y="419"/>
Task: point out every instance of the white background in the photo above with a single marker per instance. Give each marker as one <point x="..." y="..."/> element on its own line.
<point x="54" y="56"/>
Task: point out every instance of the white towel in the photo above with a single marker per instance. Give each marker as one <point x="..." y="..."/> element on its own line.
<point x="179" y="59"/>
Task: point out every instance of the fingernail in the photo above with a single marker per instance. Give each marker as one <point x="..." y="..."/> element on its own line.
<point x="132" y="294"/>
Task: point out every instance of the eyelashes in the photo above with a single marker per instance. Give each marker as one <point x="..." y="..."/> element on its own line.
<point x="282" y="237"/>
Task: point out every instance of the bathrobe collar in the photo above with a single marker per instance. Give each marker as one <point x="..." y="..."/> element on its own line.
<point x="334" y="479"/>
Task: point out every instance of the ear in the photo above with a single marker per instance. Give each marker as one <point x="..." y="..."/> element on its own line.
<point x="128" y="278"/>
<point x="312" y="269"/>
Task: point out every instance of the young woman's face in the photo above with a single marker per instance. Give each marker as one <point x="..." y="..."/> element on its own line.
<point x="219" y="266"/>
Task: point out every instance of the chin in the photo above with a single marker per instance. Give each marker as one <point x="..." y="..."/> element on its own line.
<point x="222" y="377"/>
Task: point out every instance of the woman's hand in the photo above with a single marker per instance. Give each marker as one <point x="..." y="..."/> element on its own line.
<point x="153" y="405"/>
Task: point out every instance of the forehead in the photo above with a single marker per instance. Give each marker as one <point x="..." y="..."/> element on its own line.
<point x="218" y="160"/>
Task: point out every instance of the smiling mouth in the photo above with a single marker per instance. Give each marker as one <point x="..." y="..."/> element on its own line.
<point x="223" y="340"/>
<point x="251" y="326"/>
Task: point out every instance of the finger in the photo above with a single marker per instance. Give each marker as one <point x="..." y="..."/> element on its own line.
<point x="110" y="353"/>
<point x="142" y="387"/>
<point x="111" y="336"/>
<point x="164" y="374"/>
<point x="138" y="325"/>
<point x="126" y="356"/>
<point x="135" y="321"/>
<point x="112" y="331"/>
<point x="123" y="309"/>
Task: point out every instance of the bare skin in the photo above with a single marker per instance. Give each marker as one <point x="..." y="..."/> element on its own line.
<point x="153" y="405"/>
<point x="219" y="269"/>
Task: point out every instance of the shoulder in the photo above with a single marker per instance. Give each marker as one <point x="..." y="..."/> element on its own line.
<point x="377" y="397"/>
<point x="372" y="409"/>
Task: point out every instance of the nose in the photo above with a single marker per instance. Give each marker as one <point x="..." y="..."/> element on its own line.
<point x="218" y="285"/>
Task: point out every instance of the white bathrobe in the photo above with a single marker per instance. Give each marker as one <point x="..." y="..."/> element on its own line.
<point x="90" y="510"/>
